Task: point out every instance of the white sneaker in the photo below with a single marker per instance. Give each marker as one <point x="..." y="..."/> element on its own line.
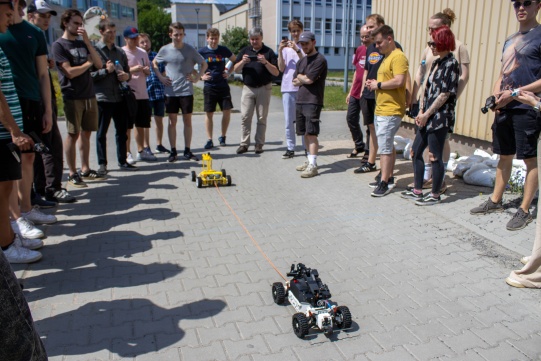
<point x="129" y="159"/>
<point x="30" y="243"/>
<point x="37" y="217"/>
<point x="303" y="166"/>
<point x="16" y="253"/>
<point x="26" y="228"/>
<point x="309" y="172"/>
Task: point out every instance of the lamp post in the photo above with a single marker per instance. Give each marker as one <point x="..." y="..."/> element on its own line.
<point x="197" y="14"/>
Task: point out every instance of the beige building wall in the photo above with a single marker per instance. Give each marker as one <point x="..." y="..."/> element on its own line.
<point x="482" y="25"/>
<point x="233" y="18"/>
<point x="268" y="23"/>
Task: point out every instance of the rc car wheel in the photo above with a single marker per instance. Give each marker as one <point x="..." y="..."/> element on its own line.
<point x="193" y="176"/>
<point x="278" y="293"/>
<point x="300" y="325"/>
<point x="224" y="174"/>
<point x="342" y="317"/>
<point x="199" y="182"/>
<point x="229" y="180"/>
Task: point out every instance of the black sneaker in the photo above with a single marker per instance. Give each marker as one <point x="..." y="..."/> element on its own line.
<point x="91" y="175"/>
<point x="375" y="184"/>
<point x="39" y="202"/>
<point x="128" y="167"/>
<point x="76" y="181"/>
<point x="428" y="200"/>
<point x="381" y="190"/>
<point x="365" y="168"/>
<point x="61" y="196"/>
<point x="288" y="154"/>
<point x="221" y="139"/>
<point x="190" y="156"/>
<point x="161" y="149"/>
<point x="410" y="194"/>
<point x="172" y="157"/>
<point x="209" y="145"/>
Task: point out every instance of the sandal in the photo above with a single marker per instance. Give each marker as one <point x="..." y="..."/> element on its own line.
<point x="355" y="152"/>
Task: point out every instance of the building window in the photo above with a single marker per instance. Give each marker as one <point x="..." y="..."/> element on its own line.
<point x="285" y="21"/>
<point x="326" y="50"/>
<point x="115" y="13"/>
<point x="338" y="2"/>
<point x="329" y="2"/>
<point x="56" y="2"/>
<point x="318" y="2"/>
<point x="358" y="25"/>
<point x="338" y="25"/>
<point x="307" y="24"/>
<point x="296" y="2"/>
<point x="328" y="26"/>
<point x="317" y="26"/>
<point x="81" y="5"/>
<point x="336" y="51"/>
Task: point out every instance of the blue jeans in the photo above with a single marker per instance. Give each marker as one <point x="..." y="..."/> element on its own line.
<point x="18" y="337"/>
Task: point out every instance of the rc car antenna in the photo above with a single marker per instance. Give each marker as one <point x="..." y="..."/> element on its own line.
<point x="248" y="232"/>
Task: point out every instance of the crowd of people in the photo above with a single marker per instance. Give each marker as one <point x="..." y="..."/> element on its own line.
<point x="102" y="82"/>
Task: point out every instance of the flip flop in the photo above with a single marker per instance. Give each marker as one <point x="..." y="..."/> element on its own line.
<point x="355" y="153"/>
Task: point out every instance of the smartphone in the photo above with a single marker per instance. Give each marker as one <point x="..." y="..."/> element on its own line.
<point x="252" y="57"/>
<point x="284" y="38"/>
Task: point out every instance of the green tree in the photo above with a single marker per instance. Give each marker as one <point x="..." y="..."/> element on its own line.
<point x="235" y="38"/>
<point x="154" y="21"/>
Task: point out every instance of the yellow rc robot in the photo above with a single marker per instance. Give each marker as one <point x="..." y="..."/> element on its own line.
<point x="208" y="176"/>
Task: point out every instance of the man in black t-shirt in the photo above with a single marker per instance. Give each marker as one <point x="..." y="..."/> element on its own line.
<point x="310" y="77"/>
<point x="258" y="64"/>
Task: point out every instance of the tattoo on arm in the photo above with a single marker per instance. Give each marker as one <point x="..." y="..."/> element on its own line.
<point x="440" y="100"/>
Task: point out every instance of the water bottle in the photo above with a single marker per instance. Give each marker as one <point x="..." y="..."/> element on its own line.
<point x="119" y="69"/>
<point x="423" y="70"/>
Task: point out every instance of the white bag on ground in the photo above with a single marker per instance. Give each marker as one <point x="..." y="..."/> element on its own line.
<point x="480" y="174"/>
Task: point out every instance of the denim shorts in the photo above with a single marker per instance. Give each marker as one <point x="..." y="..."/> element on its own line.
<point x="386" y="128"/>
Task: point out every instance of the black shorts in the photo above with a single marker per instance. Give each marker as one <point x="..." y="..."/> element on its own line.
<point x="174" y="104"/>
<point x="32" y="116"/>
<point x="142" y="116"/>
<point x="307" y="119"/>
<point x="516" y="132"/>
<point x="158" y="107"/>
<point x="10" y="165"/>
<point x="213" y="96"/>
<point x="368" y="106"/>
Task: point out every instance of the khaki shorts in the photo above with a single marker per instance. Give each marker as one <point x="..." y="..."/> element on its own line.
<point x="81" y="114"/>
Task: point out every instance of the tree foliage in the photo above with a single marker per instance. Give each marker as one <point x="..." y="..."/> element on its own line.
<point x="154" y="21"/>
<point x="235" y="38"/>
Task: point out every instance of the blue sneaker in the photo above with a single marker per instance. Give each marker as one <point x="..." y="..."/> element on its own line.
<point x="221" y="139"/>
<point x="209" y="144"/>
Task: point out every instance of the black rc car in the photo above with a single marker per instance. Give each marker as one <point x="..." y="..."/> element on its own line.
<point x="311" y="299"/>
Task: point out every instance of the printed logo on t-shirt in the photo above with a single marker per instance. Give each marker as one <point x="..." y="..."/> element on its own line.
<point x="374" y="58"/>
<point x="362" y="61"/>
<point x="215" y="59"/>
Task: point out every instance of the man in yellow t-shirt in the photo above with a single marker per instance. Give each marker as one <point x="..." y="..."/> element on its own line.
<point x="390" y="88"/>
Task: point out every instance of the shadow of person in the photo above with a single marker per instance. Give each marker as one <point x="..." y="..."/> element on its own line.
<point x="96" y="262"/>
<point x="128" y="328"/>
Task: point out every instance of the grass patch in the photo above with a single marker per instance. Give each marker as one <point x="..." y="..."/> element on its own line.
<point x="335" y="98"/>
<point x="339" y="74"/>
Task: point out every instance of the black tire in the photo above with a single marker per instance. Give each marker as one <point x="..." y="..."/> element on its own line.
<point x="342" y="318"/>
<point x="193" y="176"/>
<point x="224" y="174"/>
<point x="278" y="293"/>
<point x="229" y="181"/>
<point x="300" y="325"/>
<point x="199" y="182"/>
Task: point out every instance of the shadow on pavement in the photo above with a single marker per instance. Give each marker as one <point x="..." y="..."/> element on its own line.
<point x="129" y="328"/>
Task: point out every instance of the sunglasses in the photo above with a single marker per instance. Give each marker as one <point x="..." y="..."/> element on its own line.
<point x="525" y="4"/>
<point x="431" y="44"/>
<point x="429" y="29"/>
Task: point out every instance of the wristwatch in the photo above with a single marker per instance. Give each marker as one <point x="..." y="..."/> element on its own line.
<point x="537" y="107"/>
<point x="379" y="85"/>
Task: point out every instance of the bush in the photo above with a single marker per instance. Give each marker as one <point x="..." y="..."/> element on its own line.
<point x="235" y="39"/>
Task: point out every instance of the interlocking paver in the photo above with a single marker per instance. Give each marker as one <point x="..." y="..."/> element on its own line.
<point x="145" y="266"/>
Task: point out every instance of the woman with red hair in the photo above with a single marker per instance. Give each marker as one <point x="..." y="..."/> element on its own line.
<point x="436" y="115"/>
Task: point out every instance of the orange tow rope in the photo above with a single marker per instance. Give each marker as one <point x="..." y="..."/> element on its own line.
<point x="248" y="232"/>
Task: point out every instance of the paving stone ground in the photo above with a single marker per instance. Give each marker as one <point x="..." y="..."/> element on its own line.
<point x="145" y="266"/>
